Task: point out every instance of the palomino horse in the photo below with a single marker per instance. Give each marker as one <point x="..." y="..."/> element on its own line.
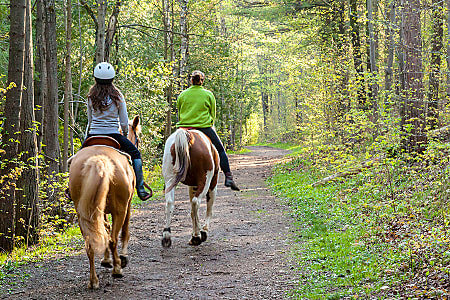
<point x="102" y="181"/>
<point x="190" y="158"/>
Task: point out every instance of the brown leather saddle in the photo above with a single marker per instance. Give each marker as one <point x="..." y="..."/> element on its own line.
<point x="101" y="140"/>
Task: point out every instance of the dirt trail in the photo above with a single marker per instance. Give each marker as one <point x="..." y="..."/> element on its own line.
<point x="245" y="256"/>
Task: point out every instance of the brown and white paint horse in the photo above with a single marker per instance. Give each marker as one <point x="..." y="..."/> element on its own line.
<point x="101" y="182"/>
<point x="190" y="158"/>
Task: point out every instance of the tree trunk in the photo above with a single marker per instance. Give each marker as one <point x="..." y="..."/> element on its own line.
<point x="168" y="56"/>
<point x="112" y="27"/>
<point x="11" y="124"/>
<point x="372" y="62"/>
<point x="184" y="43"/>
<point x="101" y="29"/>
<point x="68" y="84"/>
<point x="27" y="209"/>
<point x="51" y="123"/>
<point x="413" y="118"/>
<point x="390" y="47"/>
<point x="357" y="57"/>
<point x="435" y="63"/>
<point x="40" y="84"/>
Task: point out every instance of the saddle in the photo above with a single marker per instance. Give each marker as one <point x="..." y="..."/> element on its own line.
<point x="102" y="140"/>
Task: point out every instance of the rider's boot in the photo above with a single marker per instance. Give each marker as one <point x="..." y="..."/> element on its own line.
<point x="229" y="182"/>
<point x="137" y="167"/>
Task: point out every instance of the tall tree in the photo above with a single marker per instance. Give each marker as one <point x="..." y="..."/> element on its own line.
<point x="413" y="117"/>
<point x="11" y="125"/>
<point x="168" y="56"/>
<point x="357" y="56"/>
<point x="27" y="209"/>
<point x="390" y="46"/>
<point x="51" y="122"/>
<point x="40" y="84"/>
<point x="101" y="31"/>
<point x="435" y="63"/>
<point x="184" y="42"/>
<point x="68" y="84"/>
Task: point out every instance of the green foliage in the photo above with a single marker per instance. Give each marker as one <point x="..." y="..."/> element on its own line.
<point x="382" y="228"/>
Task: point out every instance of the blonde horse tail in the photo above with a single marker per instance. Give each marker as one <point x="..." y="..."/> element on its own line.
<point x="182" y="159"/>
<point x="97" y="173"/>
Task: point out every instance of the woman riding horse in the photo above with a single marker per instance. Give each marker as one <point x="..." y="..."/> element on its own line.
<point x="197" y="109"/>
<point x="107" y="110"/>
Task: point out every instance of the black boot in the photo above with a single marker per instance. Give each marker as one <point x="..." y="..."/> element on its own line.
<point x="229" y="182"/>
<point x="137" y="167"/>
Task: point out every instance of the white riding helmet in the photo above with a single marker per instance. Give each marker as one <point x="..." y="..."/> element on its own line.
<point x="104" y="71"/>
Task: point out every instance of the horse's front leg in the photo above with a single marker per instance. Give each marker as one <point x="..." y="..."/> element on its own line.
<point x="195" y="205"/>
<point x="106" y="261"/>
<point x="117" y="224"/>
<point x="166" y="236"/>
<point x="125" y="237"/>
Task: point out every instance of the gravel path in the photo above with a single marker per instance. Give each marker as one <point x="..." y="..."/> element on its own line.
<point x="246" y="255"/>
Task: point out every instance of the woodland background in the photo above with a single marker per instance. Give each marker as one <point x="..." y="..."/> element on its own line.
<point x="362" y="86"/>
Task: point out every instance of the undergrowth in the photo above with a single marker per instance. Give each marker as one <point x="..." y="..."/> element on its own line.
<point x="381" y="230"/>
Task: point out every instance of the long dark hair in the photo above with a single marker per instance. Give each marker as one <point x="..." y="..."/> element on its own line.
<point x="99" y="93"/>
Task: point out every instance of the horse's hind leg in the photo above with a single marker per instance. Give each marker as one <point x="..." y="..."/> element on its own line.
<point x="210" y="198"/>
<point x="93" y="279"/>
<point x="195" y="204"/>
<point x="166" y="236"/>
<point x="125" y="237"/>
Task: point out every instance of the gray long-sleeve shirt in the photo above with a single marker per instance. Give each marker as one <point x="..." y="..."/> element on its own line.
<point x="108" y="120"/>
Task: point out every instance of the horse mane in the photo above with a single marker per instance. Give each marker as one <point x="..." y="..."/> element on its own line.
<point x="183" y="140"/>
<point x="97" y="172"/>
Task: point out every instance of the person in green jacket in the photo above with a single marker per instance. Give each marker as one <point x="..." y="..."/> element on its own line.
<point x="197" y="109"/>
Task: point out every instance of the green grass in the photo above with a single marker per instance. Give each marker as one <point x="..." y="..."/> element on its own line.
<point x="50" y="246"/>
<point x="335" y="258"/>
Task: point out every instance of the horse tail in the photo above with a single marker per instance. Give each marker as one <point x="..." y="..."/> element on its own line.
<point x="97" y="173"/>
<point x="182" y="159"/>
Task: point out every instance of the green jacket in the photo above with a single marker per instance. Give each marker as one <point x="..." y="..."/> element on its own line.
<point x="196" y="108"/>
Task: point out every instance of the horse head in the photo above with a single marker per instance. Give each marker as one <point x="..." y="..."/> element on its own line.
<point x="134" y="129"/>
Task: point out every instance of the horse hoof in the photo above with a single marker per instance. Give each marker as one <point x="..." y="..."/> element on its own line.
<point x="204" y="235"/>
<point x="118" y="275"/>
<point x="106" y="264"/>
<point x="123" y="261"/>
<point x="195" y="241"/>
<point x="93" y="285"/>
<point x="166" y="242"/>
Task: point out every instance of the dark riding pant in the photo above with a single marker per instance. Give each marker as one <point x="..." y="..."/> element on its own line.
<point x="125" y="144"/>
<point x="211" y="133"/>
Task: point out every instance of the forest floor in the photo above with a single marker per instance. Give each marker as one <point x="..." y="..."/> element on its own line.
<point x="246" y="256"/>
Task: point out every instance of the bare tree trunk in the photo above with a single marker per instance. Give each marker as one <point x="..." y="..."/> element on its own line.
<point x="372" y="62"/>
<point x="27" y="209"/>
<point x="101" y="29"/>
<point x="11" y="127"/>
<point x="390" y="47"/>
<point x="357" y="57"/>
<point x="168" y="56"/>
<point x="112" y="27"/>
<point x="68" y="84"/>
<point x="40" y="84"/>
<point x="436" y="48"/>
<point x="184" y="43"/>
<point x="413" y="119"/>
<point x="51" y="123"/>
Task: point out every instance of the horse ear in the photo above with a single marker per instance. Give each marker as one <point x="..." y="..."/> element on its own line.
<point x="136" y="121"/>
